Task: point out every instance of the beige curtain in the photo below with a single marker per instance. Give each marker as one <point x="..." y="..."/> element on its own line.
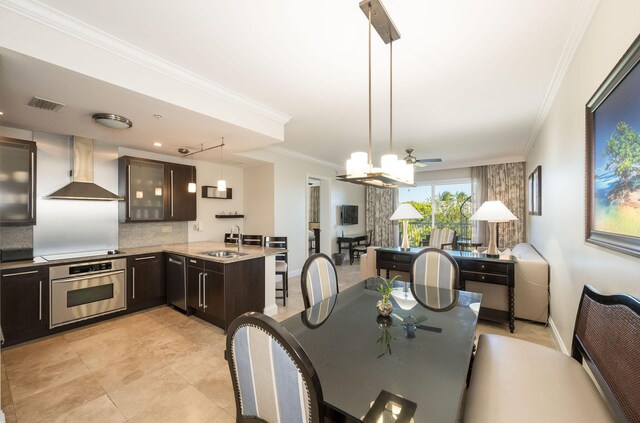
<point x="314" y="204"/>
<point x="506" y="182"/>
<point x="478" y="196"/>
<point x="380" y="203"/>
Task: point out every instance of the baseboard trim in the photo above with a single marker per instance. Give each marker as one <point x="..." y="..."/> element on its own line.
<point x="557" y="338"/>
<point x="295" y="273"/>
<point x="270" y="310"/>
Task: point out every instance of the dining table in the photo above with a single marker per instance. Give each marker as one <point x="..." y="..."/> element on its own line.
<point x="416" y="360"/>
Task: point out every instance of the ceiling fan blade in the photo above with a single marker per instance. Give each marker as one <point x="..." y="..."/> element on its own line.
<point x="429" y="161"/>
<point x="418" y="164"/>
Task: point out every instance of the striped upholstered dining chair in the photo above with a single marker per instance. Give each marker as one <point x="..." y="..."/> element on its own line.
<point x="319" y="279"/>
<point x="273" y="379"/>
<point x="435" y="276"/>
<point x="442" y="238"/>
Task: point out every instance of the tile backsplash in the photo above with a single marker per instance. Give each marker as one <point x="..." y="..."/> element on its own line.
<point x="16" y="237"/>
<point x="152" y="233"/>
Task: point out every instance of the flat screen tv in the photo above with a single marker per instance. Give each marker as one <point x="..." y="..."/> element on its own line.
<point x="349" y="215"/>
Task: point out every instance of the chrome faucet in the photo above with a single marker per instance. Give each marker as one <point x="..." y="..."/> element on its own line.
<point x="239" y="237"/>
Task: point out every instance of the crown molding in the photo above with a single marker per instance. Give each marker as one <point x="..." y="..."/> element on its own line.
<point x="53" y="18"/>
<point x="576" y="32"/>
<point x="301" y="156"/>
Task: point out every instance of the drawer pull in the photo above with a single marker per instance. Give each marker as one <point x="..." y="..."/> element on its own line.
<point x="482" y="277"/>
<point x="482" y="267"/>
<point x="192" y="261"/>
<point x="145" y="258"/>
<point x="6" y="275"/>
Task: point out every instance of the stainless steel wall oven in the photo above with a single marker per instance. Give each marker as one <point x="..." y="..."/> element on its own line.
<point x="84" y="290"/>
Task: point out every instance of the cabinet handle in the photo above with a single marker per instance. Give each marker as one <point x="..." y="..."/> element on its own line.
<point x="482" y="266"/>
<point x="171" y="193"/>
<point x="129" y="191"/>
<point x="31" y="272"/>
<point x="33" y="188"/>
<point x="200" y="289"/>
<point x="133" y="269"/>
<point x="204" y="291"/>
<point x="174" y="261"/>
<point x="1" y="336"/>
<point x="40" y="306"/>
<point x="144" y="258"/>
<point x="192" y="261"/>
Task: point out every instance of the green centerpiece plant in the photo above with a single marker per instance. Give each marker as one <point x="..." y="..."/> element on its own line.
<point x="384" y="305"/>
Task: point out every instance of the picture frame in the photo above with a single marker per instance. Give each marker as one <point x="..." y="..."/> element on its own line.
<point x="535" y="192"/>
<point x="612" y="215"/>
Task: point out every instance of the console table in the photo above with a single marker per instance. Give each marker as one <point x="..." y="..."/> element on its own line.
<point x="476" y="267"/>
<point x="351" y="240"/>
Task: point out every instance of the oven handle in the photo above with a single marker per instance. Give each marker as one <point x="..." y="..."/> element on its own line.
<point x="88" y="276"/>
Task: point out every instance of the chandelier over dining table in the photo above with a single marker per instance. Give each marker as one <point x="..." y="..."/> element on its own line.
<point x="393" y="172"/>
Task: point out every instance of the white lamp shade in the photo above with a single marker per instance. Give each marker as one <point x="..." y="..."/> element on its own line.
<point x="406" y="211"/>
<point x="222" y="185"/>
<point x="493" y="211"/>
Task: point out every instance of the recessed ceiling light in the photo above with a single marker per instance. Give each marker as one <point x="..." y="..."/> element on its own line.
<point x="157" y="115"/>
<point x="111" y="120"/>
<point x="157" y="144"/>
<point x="1" y="113"/>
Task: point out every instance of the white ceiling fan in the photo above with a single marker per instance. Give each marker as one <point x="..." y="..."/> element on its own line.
<point x="421" y="162"/>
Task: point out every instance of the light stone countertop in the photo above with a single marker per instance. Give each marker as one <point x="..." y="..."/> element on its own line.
<point x="191" y="249"/>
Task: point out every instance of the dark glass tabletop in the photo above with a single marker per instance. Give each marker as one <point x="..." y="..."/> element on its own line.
<point x="358" y="355"/>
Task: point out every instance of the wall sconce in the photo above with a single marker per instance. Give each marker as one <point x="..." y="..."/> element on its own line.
<point x="191" y="187"/>
<point x="158" y="192"/>
<point x="139" y="194"/>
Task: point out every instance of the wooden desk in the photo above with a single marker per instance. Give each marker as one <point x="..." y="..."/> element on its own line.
<point x="351" y="240"/>
<point x="475" y="267"/>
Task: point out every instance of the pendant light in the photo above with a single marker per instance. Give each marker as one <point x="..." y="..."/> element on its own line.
<point x="393" y="173"/>
<point x="222" y="184"/>
<point x="192" y="185"/>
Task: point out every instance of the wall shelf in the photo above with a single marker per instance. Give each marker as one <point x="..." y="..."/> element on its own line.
<point x="229" y="216"/>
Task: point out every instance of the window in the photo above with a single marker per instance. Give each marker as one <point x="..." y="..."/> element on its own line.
<point x="443" y="205"/>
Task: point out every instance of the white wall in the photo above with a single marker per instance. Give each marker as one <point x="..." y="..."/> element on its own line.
<point x="259" y="200"/>
<point x="211" y="229"/>
<point x="291" y="196"/>
<point x="560" y="148"/>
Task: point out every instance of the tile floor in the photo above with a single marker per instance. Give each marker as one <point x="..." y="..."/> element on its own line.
<point x="153" y="366"/>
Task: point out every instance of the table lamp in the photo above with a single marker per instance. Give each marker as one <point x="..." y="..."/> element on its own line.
<point x="406" y="212"/>
<point x="493" y="212"/>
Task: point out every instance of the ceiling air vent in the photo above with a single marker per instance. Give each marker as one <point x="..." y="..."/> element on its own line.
<point x="44" y="104"/>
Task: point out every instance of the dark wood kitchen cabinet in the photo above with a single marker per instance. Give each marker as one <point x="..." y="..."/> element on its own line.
<point x="181" y="204"/>
<point x="146" y="284"/>
<point x="155" y="191"/>
<point x="17" y="182"/>
<point x="25" y="303"/>
<point x="220" y="292"/>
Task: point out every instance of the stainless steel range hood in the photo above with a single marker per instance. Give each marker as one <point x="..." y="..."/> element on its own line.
<point x="82" y="187"/>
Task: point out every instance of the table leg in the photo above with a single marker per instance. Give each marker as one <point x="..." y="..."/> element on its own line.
<point x="351" y="252"/>
<point x="512" y="325"/>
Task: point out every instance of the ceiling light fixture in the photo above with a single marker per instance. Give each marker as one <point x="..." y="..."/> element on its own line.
<point x="157" y="144"/>
<point x="222" y="184"/>
<point x="111" y="120"/>
<point x="393" y="173"/>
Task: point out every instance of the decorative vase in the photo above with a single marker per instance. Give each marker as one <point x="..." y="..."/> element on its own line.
<point x="384" y="308"/>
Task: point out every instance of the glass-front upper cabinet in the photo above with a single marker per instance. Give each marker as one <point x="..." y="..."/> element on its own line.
<point x="17" y="182"/>
<point x="143" y="190"/>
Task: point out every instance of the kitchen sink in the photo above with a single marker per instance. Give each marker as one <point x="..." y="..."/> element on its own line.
<point x="222" y="254"/>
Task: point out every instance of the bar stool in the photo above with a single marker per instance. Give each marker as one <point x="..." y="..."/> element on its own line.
<point x="282" y="265"/>
<point x="252" y="240"/>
